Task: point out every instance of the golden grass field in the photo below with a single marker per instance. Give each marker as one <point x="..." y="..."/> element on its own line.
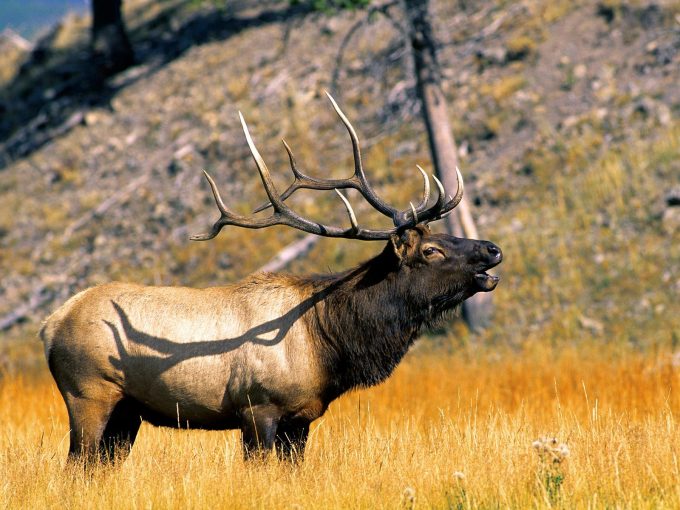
<point x="445" y="431"/>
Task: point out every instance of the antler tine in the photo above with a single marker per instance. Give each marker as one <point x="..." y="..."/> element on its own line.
<point x="208" y="235"/>
<point x="224" y="212"/>
<point x="441" y="196"/>
<point x="305" y="181"/>
<point x="442" y="207"/>
<point x="453" y="202"/>
<point x="426" y="189"/>
<point x="216" y="193"/>
<point x="415" y="213"/>
<point x="299" y="176"/>
<point x="461" y="188"/>
<point x="364" y="187"/>
<point x="274" y="197"/>
<point x="358" y="166"/>
<point x="293" y="163"/>
<point x="350" y="212"/>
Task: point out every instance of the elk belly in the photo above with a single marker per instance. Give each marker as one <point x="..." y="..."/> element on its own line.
<point x="191" y="393"/>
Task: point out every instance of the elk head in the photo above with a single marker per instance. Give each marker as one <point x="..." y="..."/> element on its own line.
<point x="450" y="269"/>
<point x="416" y="248"/>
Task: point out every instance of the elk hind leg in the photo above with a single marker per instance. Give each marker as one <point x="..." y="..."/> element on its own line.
<point x="87" y="418"/>
<point x="120" y="432"/>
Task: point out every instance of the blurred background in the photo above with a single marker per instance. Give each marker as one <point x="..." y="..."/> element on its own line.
<point x="29" y="18"/>
<point x="564" y="113"/>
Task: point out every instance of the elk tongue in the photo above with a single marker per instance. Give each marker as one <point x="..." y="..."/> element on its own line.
<point x="486" y="282"/>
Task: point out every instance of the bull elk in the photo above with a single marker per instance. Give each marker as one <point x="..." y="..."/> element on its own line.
<point x="268" y="354"/>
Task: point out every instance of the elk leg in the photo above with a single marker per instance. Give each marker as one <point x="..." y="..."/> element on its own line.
<point x="120" y="432"/>
<point x="291" y="439"/>
<point x="258" y="429"/>
<point x="87" y="419"/>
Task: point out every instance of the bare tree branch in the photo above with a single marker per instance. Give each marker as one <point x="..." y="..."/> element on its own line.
<point x="291" y="252"/>
<point x="349" y="35"/>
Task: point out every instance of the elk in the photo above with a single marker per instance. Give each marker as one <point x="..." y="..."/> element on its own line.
<point x="268" y="354"/>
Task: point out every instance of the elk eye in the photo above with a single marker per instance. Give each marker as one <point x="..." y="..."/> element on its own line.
<point x="430" y="251"/>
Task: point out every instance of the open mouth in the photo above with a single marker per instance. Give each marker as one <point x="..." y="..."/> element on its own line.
<point x="492" y="256"/>
<point x="486" y="282"/>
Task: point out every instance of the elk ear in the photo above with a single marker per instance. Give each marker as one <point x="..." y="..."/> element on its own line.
<point x="423" y="228"/>
<point x="406" y="243"/>
<point x="397" y="247"/>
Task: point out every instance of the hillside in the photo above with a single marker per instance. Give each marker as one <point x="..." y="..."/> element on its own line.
<point x="566" y="116"/>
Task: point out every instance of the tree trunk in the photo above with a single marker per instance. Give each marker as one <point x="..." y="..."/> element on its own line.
<point x="477" y="309"/>
<point x="111" y="47"/>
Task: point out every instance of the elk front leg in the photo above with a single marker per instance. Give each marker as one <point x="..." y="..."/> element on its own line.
<point x="258" y="429"/>
<point x="291" y="439"/>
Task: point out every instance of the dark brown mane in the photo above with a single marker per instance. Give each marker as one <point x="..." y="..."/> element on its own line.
<point x="369" y="320"/>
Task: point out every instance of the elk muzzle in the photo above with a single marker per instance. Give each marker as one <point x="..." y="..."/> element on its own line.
<point x="489" y="256"/>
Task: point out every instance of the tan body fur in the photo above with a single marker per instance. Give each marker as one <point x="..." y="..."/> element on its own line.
<point x="199" y="358"/>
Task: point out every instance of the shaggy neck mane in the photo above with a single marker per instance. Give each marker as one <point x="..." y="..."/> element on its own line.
<point x="367" y="320"/>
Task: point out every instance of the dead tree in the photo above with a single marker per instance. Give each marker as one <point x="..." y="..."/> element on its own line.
<point x="422" y="45"/>
<point x="440" y="136"/>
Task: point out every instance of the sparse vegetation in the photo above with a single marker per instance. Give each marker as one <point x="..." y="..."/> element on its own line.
<point x="520" y="47"/>
<point x="504" y="87"/>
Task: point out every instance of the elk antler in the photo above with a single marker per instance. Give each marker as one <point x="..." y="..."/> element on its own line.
<point x="284" y="215"/>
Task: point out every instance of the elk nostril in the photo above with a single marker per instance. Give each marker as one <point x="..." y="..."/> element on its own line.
<point x="493" y="250"/>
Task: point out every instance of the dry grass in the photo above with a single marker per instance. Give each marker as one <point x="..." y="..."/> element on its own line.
<point x="444" y="432"/>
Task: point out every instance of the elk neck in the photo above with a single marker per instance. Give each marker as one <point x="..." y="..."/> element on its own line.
<point x="365" y="321"/>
